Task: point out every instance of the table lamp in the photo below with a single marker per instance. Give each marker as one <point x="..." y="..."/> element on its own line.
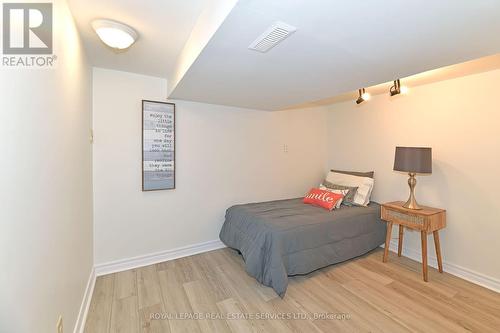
<point x="413" y="160"/>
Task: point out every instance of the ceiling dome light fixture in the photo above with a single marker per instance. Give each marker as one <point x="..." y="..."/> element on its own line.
<point x="115" y="34"/>
<point x="397" y="89"/>
<point x="363" y="96"/>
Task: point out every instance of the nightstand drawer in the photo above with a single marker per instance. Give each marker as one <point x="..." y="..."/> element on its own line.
<point x="409" y="220"/>
<point x="423" y="220"/>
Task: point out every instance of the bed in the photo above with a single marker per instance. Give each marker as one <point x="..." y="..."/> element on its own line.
<point x="282" y="238"/>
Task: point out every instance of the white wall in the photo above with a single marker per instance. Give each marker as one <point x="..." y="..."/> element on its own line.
<point x="459" y="119"/>
<point x="225" y="156"/>
<point x="46" y="187"/>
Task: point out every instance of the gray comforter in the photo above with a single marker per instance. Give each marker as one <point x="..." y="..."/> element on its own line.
<point x="287" y="237"/>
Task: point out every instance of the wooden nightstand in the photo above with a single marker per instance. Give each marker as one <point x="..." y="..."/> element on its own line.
<point x="426" y="220"/>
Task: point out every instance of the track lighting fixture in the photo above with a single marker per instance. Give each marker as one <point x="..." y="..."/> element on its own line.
<point x="397" y="89"/>
<point x="363" y="96"/>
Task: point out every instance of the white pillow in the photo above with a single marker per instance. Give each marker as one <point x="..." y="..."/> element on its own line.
<point x="341" y="192"/>
<point x="364" y="185"/>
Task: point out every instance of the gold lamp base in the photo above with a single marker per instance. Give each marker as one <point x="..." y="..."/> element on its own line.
<point x="412" y="202"/>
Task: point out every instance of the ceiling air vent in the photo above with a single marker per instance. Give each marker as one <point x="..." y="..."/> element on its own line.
<point x="272" y="37"/>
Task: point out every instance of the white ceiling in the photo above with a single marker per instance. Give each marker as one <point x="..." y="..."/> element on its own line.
<point x="339" y="46"/>
<point x="163" y="27"/>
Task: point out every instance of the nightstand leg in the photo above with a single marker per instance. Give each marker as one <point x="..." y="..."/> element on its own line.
<point x="400" y="242"/>
<point x="387" y="241"/>
<point x="423" y="235"/>
<point x="438" y="250"/>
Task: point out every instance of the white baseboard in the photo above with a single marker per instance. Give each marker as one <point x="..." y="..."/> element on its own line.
<point x="154" y="258"/>
<point x="84" y="307"/>
<point x="459" y="271"/>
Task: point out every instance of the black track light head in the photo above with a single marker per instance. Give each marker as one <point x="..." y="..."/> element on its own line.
<point x="396" y="88"/>
<point x="363" y="96"/>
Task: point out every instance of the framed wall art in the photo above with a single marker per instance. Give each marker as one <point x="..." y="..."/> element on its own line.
<point x="158" y="146"/>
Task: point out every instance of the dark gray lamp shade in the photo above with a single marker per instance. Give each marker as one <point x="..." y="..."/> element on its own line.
<point x="413" y="159"/>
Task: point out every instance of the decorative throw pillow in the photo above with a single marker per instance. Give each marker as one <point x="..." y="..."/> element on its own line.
<point x="338" y="191"/>
<point x="322" y="198"/>
<point x="348" y="199"/>
<point x="368" y="174"/>
<point x="364" y="184"/>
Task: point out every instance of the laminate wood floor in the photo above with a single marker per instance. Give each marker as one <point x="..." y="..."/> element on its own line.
<point x="211" y="292"/>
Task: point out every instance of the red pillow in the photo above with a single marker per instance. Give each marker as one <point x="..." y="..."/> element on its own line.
<point x="322" y="198"/>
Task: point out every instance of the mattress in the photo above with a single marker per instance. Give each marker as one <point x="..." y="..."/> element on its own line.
<point x="282" y="238"/>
